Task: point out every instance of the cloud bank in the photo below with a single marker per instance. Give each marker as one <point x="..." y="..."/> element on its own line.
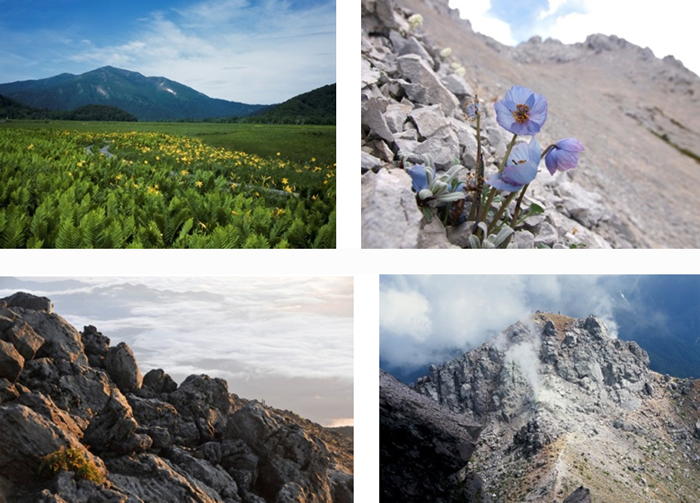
<point x="426" y="319"/>
<point x="288" y="340"/>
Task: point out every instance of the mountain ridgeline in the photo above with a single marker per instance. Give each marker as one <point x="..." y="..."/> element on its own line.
<point x="147" y="98"/>
<point x="131" y="96"/>
<point x="553" y="409"/>
<point x="80" y="423"/>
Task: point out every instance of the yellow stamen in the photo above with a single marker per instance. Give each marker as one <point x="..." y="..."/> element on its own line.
<point x="521" y="114"/>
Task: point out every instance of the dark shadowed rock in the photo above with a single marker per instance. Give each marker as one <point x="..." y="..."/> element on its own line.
<point x="122" y="368"/>
<point x="11" y="362"/>
<point x="113" y="429"/>
<point x="207" y="401"/>
<point x="8" y="391"/>
<point x="96" y="346"/>
<point x="29" y="301"/>
<point x="159" y="381"/>
<point x="580" y="495"/>
<point x="415" y="433"/>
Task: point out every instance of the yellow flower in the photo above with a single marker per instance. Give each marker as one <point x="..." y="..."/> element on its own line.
<point x="313" y="159"/>
<point x="198" y="183"/>
<point x="157" y="158"/>
<point x="185" y="172"/>
<point x="285" y="181"/>
<point x="119" y="176"/>
<point x="31" y="146"/>
<point x="145" y="162"/>
<point x="278" y="154"/>
<point x="288" y="188"/>
<point x="234" y="185"/>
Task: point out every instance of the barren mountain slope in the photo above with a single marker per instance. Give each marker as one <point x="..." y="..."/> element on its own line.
<point x="564" y="405"/>
<point x="609" y="94"/>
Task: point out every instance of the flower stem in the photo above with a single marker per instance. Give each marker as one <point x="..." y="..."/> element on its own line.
<point x="514" y="222"/>
<point x="501" y="210"/>
<point x="475" y="211"/>
<point x="505" y="157"/>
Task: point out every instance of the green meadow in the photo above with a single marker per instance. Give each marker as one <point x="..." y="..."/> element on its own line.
<point x="166" y="185"/>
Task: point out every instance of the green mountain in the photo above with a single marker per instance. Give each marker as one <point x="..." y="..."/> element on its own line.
<point x="314" y="107"/>
<point x="11" y="109"/>
<point x="147" y="98"/>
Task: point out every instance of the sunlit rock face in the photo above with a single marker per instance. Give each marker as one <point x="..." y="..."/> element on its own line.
<point x="146" y="439"/>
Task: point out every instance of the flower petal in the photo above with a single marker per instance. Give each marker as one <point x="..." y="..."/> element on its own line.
<point x="419" y="176"/>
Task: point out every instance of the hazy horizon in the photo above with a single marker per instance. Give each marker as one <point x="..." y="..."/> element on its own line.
<point x="285" y="340"/>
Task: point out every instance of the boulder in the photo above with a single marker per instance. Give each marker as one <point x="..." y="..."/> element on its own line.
<point x="61" y="340"/>
<point x="24" y="339"/>
<point x="26" y="437"/>
<point x="29" y="301"/>
<point x="8" y="391"/>
<point x="11" y="362"/>
<point x="430" y="90"/>
<point x="122" y="368"/>
<point x="114" y="427"/>
<point x="390" y="216"/>
<point x="159" y="381"/>
<point x="96" y="346"/>
<point x="204" y="471"/>
<point x="415" y="432"/>
<point x="152" y="478"/>
<point x="207" y="401"/>
<point x="45" y="406"/>
<point x="580" y="495"/>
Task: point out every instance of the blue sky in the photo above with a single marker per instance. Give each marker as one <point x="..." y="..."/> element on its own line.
<point x="668" y="28"/>
<point x="431" y="319"/>
<point x="252" y="51"/>
<point x="287" y="340"/>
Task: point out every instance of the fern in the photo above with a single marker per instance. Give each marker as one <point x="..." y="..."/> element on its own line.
<point x="91" y="228"/>
<point x="13" y="235"/>
<point x="68" y="235"/>
<point x="297" y="235"/>
<point x="39" y="227"/>
<point x="256" y="241"/>
<point x="326" y="234"/>
<point x="113" y="236"/>
<point x="225" y="237"/>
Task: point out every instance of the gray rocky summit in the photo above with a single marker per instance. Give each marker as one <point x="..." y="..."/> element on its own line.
<point x="637" y="116"/>
<point x="564" y="404"/>
<point x="146" y="439"/>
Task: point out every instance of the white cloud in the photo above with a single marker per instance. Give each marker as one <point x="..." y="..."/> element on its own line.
<point x="477" y="12"/>
<point x="277" y="338"/>
<point x="227" y="49"/>
<point x="405" y="313"/>
<point x="665" y="30"/>
<point x="425" y="319"/>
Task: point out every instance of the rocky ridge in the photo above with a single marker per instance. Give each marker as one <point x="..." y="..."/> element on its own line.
<point x="564" y="405"/>
<point x="415" y="433"/>
<point x="147" y="438"/>
<point x="411" y="105"/>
